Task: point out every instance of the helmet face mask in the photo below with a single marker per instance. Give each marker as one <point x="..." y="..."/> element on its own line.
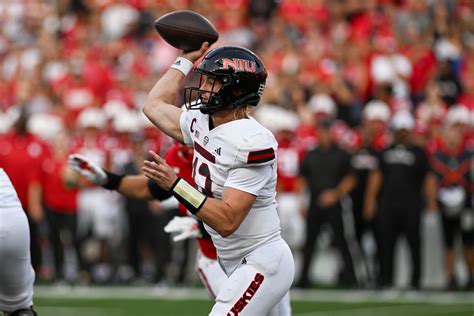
<point x="241" y="76"/>
<point x="207" y="101"/>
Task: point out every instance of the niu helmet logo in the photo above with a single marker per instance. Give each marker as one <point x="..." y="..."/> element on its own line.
<point x="239" y="65"/>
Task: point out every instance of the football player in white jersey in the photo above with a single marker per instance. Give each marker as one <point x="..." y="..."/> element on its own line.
<point x="16" y="273"/>
<point x="234" y="168"/>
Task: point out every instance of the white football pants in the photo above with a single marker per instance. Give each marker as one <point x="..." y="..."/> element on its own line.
<point x="259" y="285"/>
<point x="16" y="273"/>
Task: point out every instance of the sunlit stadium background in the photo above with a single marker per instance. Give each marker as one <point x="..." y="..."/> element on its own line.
<point x="71" y="66"/>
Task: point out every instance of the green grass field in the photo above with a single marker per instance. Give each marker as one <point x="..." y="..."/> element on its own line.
<point x="148" y="302"/>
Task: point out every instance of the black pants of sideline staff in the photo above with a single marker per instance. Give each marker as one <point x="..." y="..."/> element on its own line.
<point x="393" y="222"/>
<point x="58" y="222"/>
<point x="317" y="217"/>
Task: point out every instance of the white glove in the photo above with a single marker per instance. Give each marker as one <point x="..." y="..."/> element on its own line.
<point x="185" y="227"/>
<point x="87" y="168"/>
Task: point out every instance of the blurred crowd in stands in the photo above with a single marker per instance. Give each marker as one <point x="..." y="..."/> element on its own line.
<point x="371" y="75"/>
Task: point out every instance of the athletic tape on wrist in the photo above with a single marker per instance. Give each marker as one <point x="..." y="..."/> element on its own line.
<point x="182" y="64"/>
<point x="185" y="193"/>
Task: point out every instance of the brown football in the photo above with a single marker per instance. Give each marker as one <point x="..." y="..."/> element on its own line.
<point x="186" y="30"/>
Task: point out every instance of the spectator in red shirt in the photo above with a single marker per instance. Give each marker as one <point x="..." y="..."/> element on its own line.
<point x="60" y="201"/>
<point x="430" y="114"/>
<point x="432" y="109"/>
<point x="424" y="66"/>
<point x="467" y="97"/>
<point x="21" y="154"/>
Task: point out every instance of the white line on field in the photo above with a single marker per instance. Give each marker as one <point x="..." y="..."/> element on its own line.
<point x="412" y="310"/>
<point x="395" y="296"/>
<point x="352" y="296"/>
<point x="74" y="311"/>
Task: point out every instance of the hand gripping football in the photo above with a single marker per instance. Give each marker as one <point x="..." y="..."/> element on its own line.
<point x="186" y="30"/>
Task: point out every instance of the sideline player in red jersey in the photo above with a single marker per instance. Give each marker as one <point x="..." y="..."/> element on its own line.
<point x="452" y="164"/>
<point x="140" y="187"/>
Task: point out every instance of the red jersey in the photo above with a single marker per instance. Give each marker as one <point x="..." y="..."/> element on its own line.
<point x="180" y="158"/>
<point x="120" y="147"/>
<point x="345" y="136"/>
<point x="181" y="162"/>
<point x="207" y="248"/>
<point x="378" y="143"/>
<point x="307" y="137"/>
<point x="21" y="157"/>
<point x="467" y="100"/>
<point x="288" y="163"/>
<point x="56" y="195"/>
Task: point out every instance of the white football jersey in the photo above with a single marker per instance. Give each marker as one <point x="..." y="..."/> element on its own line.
<point x="240" y="154"/>
<point x="8" y="196"/>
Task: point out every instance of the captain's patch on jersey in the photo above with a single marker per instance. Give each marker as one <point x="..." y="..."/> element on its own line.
<point x="260" y="156"/>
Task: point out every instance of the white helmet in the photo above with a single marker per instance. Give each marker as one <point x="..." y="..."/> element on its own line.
<point x="126" y="122"/>
<point x="113" y="108"/>
<point x="403" y="120"/>
<point x="92" y="117"/>
<point x="376" y="110"/>
<point x="8" y="118"/>
<point x="458" y="114"/>
<point x="45" y="125"/>
<point x="276" y="118"/>
<point x="323" y="103"/>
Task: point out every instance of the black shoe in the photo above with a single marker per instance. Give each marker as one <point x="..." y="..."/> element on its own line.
<point x="470" y="285"/>
<point x="452" y="285"/>
<point x="415" y="285"/>
<point x="24" y="312"/>
<point x="347" y="280"/>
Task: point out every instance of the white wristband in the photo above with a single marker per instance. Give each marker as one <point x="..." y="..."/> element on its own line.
<point x="182" y="64"/>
